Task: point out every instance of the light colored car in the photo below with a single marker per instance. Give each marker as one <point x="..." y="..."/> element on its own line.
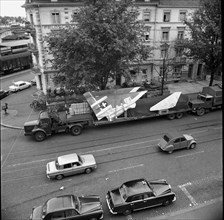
<point x="18" y="86"/>
<point x="70" y="164"/>
<point x="170" y="143"/>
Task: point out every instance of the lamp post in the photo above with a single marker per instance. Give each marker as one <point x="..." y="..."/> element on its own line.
<point x="164" y="48"/>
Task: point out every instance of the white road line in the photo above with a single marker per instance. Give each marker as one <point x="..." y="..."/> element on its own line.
<point x="188" y="195"/>
<point x="126" y="168"/>
<point x="34" y="161"/>
<point x="198" y="152"/>
<point x="127" y="145"/>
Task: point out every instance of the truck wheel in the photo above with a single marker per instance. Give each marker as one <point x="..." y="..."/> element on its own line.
<point x="88" y="170"/>
<point x="39" y="136"/>
<point x="127" y="212"/>
<point x="76" y="130"/>
<point x="59" y="177"/>
<point x="179" y="115"/>
<point x="200" y="111"/>
<point x="171" y="116"/>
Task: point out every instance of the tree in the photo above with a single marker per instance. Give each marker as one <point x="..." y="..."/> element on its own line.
<point x="205" y="42"/>
<point x="101" y="43"/>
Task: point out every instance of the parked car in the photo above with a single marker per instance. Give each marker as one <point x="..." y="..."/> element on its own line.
<point x="70" y="164"/>
<point x="33" y="82"/>
<point x="18" y="86"/>
<point x="139" y="194"/>
<point x="69" y="207"/>
<point x="3" y="93"/>
<point x="170" y="143"/>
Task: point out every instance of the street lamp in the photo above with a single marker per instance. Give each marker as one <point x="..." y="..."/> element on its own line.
<point x="164" y="47"/>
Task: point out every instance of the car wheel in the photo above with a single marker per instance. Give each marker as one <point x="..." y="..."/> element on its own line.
<point x="39" y="136"/>
<point x="166" y="203"/>
<point x="192" y="146"/>
<point x="171" y="116"/>
<point x="76" y="130"/>
<point x="59" y="177"/>
<point x="127" y="212"/>
<point x="88" y="170"/>
<point x="170" y="151"/>
<point x="200" y="111"/>
<point x="179" y="115"/>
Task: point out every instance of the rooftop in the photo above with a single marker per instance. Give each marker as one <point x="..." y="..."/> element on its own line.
<point x="69" y="158"/>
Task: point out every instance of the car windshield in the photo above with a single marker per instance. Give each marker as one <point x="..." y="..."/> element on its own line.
<point x="81" y="160"/>
<point x="166" y="138"/>
<point x="123" y="192"/>
<point x="57" y="165"/>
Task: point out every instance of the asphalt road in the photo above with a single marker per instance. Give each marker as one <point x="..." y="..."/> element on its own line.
<point x="123" y="152"/>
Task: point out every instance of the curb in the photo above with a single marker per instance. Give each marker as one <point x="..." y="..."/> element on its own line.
<point x="184" y="211"/>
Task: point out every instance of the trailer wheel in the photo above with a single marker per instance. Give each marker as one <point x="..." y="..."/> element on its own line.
<point x="171" y="116"/>
<point x="39" y="136"/>
<point x="76" y="130"/>
<point x="200" y="111"/>
<point x="179" y="115"/>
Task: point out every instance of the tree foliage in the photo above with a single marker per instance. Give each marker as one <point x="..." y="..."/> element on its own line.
<point x="205" y="42"/>
<point x="7" y="20"/>
<point x="103" y="40"/>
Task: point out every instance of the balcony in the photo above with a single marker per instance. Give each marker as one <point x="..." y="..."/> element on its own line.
<point x="33" y="49"/>
<point x="179" y="60"/>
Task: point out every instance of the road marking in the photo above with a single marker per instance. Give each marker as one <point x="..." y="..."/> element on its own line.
<point x="127" y="145"/>
<point x="34" y="161"/>
<point x="39" y="185"/>
<point x="198" y="152"/>
<point x="126" y="168"/>
<point x="188" y="194"/>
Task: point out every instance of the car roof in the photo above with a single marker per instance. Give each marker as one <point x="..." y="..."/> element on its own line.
<point x="137" y="186"/>
<point x="69" y="158"/>
<point x="18" y="82"/>
<point x="187" y="136"/>
<point x="60" y="203"/>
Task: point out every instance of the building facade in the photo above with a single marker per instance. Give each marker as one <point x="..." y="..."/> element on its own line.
<point x="163" y="21"/>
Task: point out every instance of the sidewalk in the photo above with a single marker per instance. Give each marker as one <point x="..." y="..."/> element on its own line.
<point x="212" y="210"/>
<point x="19" y="114"/>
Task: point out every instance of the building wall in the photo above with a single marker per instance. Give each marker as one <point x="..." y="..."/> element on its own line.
<point x="43" y="23"/>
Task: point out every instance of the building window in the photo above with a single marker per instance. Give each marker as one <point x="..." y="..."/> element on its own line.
<point x="31" y="19"/>
<point x="179" y="52"/>
<point x="166" y="16"/>
<point x="180" y="35"/>
<point x="182" y="15"/>
<point x="147" y="37"/>
<point x="55" y="17"/>
<point x="163" y="53"/>
<point x="165" y="35"/>
<point x="146" y="16"/>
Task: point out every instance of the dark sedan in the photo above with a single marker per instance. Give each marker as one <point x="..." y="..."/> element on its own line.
<point x="139" y="194"/>
<point x="68" y="207"/>
<point x="3" y="94"/>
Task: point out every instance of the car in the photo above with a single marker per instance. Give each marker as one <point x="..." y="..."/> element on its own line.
<point x="3" y="93"/>
<point x="70" y="164"/>
<point x="69" y="207"/>
<point x="169" y="142"/>
<point x="139" y="194"/>
<point x="19" y="85"/>
<point x="33" y="82"/>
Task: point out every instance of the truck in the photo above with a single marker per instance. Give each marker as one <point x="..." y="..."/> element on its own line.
<point x="210" y="98"/>
<point x="108" y="107"/>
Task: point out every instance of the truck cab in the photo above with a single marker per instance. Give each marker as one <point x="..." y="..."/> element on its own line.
<point x="40" y="128"/>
